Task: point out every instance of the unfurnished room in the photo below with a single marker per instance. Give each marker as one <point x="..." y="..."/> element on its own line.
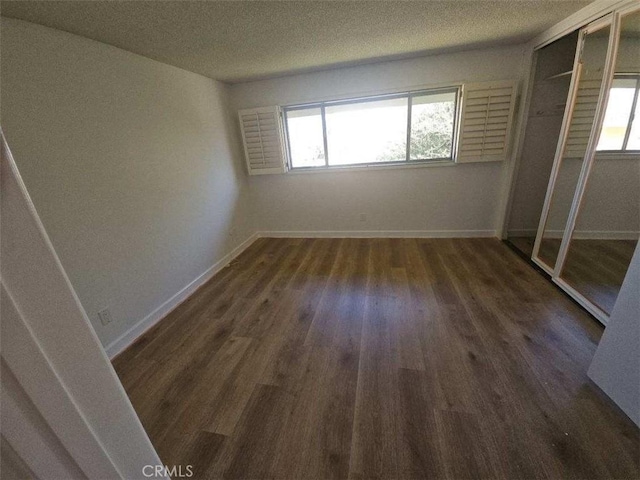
<point x="320" y="239"/>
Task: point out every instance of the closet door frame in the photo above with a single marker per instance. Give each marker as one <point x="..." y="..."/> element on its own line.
<point x="564" y="133"/>
<point x="609" y="73"/>
<point x="585" y="16"/>
<point x="614" y="20"/>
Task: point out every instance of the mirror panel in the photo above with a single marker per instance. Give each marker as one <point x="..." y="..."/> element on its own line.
<point x="550" y="89"/>
<point x="589" y="80"/>
<point x="608" y="222"/>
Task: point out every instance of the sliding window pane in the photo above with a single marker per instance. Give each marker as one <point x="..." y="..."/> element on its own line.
<point x="306" y="143"/>
<point x="617" y="114"/>
<point x="634" y="135"/>
<point x="370" y="131"/>
<point x="432" y="120"/>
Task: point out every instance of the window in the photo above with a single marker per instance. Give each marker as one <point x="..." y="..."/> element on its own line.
<point x="400" y="128"/>
<point x="396" y="129"/>
<point x="621" y="125"/>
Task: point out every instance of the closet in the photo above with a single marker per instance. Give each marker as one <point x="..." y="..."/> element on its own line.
<point x="575" y="207"/>
<point x="553" y="66"/>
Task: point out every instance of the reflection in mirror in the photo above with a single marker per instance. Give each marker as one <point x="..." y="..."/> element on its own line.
<point x="608" y="223"/>
<point x="550" y="89"/>
<point x="589" y="82"/>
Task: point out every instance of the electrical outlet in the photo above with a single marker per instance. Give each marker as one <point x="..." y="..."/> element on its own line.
<point x="105" y="316"/>
<point x="363" y="217"/>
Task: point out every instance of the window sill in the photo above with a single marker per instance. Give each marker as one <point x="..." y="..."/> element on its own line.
<point x="369" y="167"/>
<point x="620" y="155"/>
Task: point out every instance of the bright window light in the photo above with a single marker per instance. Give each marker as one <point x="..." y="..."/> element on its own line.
<point x="306" y="143"/>
<point x="633" y="143"/>
<point x="367" y="132"/>
<point x="432" y="123"/>
<point x="373" y="130"/>
<point x="620" y="131"/>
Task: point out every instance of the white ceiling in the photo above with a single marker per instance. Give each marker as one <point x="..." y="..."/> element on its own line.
<point x="238" y="40"/>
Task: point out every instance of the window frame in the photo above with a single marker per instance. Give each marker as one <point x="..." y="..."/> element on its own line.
<point x="456" y="88"/>
<point x="630" y="120"/>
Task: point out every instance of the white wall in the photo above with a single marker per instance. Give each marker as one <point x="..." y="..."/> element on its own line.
<point x="447" y="200"/>
<point x="27" y="431"/>
<point x="64" y="412"/>
<point x="130" y="163"/>
<point x="616" y="365"/>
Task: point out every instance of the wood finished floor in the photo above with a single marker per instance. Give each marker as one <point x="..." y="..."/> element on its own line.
<point x="595" y="268"/>
<point x="378" y="358"/>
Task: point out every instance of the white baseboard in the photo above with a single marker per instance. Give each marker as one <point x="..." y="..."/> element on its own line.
<point x="523" y="232"/>
<point x="594" y="235"/>
<point x="380" y="234"/>
<point x="131" y="335"/>
<point x="580" y="234"/>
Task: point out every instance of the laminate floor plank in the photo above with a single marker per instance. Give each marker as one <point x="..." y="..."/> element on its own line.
<point x="379" y="358"/>
<point x="418" y="449"/>
<point x="375" y="436"/>
<point x="251" y="451"/>
<point x="594" y="267"/>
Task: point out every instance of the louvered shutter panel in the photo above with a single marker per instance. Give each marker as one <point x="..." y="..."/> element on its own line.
<point x="263" y="140"/>
<point x="486" y="121"/>
<point x="584" y="110"/>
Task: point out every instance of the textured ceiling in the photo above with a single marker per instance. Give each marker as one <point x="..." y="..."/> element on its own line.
<point x="237" y="40"/>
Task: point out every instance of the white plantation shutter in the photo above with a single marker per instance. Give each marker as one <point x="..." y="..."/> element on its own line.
<point x="263" y="140"/>
<point x="486" y="121"/>
<point x="584" y="110"/>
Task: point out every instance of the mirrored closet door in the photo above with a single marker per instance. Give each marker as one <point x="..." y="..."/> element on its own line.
<point x="590" y="219"/>
<point x="608" y="219"/>
<point x="588" y="78"/>
<point x="550" y="82"/>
